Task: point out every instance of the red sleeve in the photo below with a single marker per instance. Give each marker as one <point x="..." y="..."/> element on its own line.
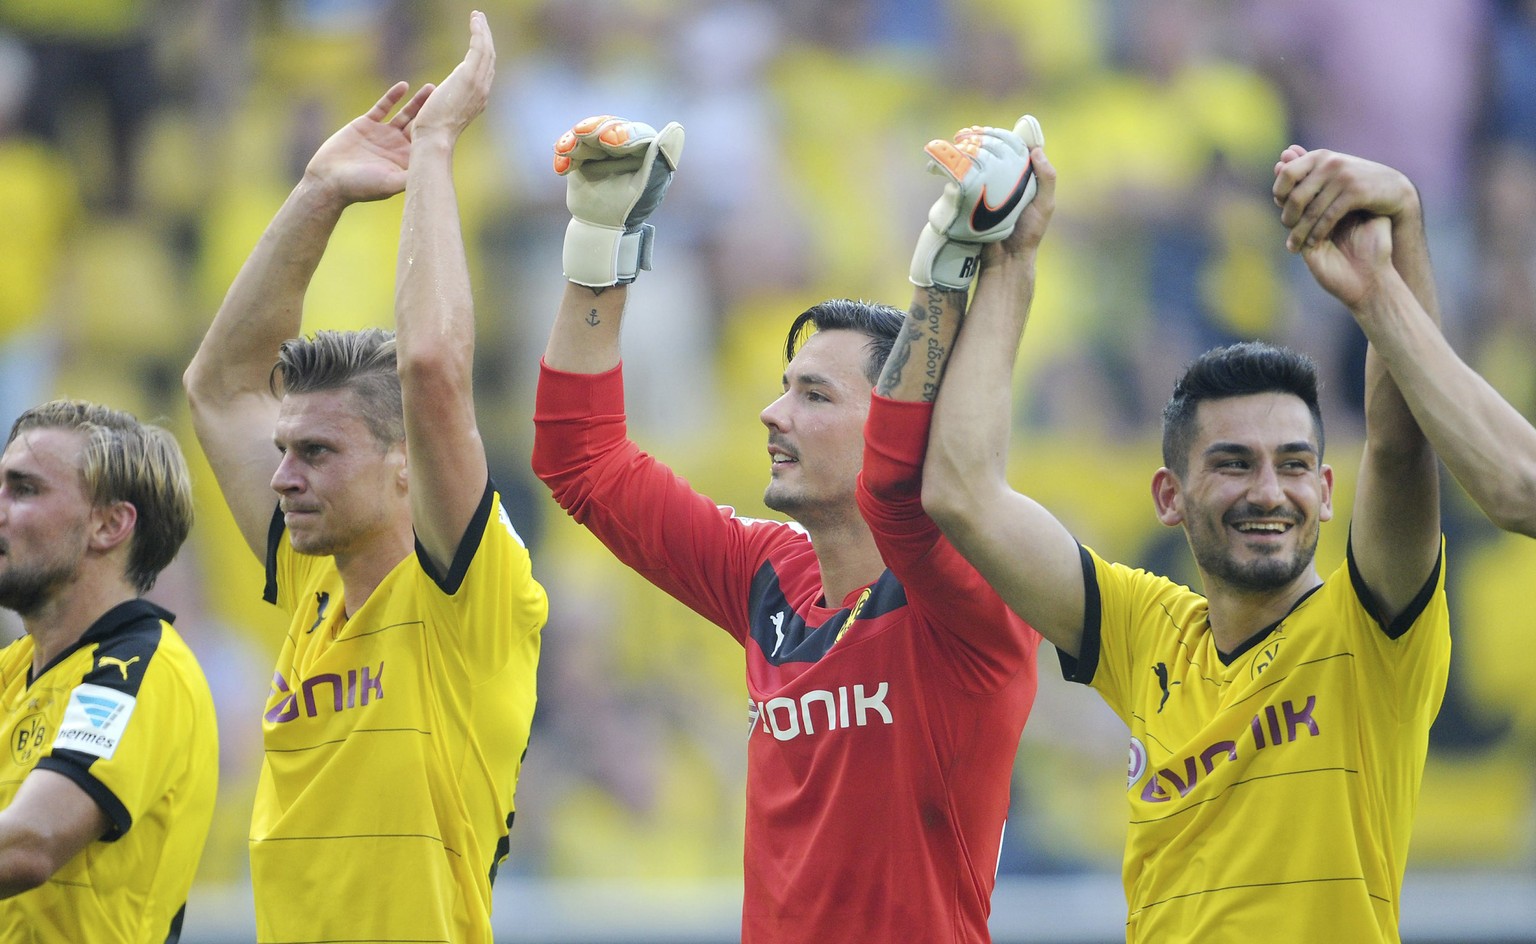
<point x="942" y="586"/>
<point x="650" y="518"/>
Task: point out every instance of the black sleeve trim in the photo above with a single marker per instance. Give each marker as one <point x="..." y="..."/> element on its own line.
<point x="274" y="535"/>
<point x="1412" y="612"/>
<point x="175" y="933"/>
<point x="1082" y="668"/>
<point x="468" y="545"/>
<point x="64" y="763"/>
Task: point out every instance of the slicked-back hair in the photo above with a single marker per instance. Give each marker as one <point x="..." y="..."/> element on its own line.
<point x="881" y="323"/>
<point x="361" y="361"/>
<point x="128" y="461"/>
<point x="1235" y="371"/>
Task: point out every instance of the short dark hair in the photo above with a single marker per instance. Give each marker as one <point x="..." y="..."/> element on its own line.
<point x="128" y="461"/>
<point x="1237" y="370"/>
<point x="882" y="323"/>
<point x="361" y="361"/>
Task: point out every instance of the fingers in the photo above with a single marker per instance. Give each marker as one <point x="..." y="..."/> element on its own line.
<point x="1044" y="204"/>
<point x="1045" y="178"/>
<point x="482" y="50"/>
<point x="1317" y="221"/>
<point x="1308" y="195"/>
<point x="407" y="114"/>
<point x="382" y="107"/>
<point x="608" y="136"/>
<point x="951" y="159"/>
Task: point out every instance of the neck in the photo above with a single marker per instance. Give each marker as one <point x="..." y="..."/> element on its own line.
<point x="60" y="622"/>
<point x="362" y="570"/>
<point x="849" y="560"/>
<point x="1236" y="614"/>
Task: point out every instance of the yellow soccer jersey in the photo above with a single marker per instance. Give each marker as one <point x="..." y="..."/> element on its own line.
<point x="393" y="742"/>
<point x="126" y="714"/>
<point x="1271" y="793"/>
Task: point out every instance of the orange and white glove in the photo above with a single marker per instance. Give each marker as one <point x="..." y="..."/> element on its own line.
<point x="616" y="173"/>
<point x="990" y="183"/>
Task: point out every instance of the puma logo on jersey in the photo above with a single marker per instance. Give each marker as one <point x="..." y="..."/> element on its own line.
<point x="1161" y="669"/>
<point x="322" y="602"/>
<point x="116" y="663"/>
<point x="356" y="690"/>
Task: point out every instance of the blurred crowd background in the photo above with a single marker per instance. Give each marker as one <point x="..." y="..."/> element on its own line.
<point x="144" y="144"/>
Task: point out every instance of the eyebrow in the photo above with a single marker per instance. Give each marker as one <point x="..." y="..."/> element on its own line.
<point x="18" y="475"/>
<point x="811" y="379"/>
<point x="1232" y="448"/>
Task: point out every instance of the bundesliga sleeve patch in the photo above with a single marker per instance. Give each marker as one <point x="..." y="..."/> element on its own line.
<point x="94" y="720"/>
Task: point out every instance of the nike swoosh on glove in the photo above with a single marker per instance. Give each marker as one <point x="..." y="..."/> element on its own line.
<point x="990" y="182"/>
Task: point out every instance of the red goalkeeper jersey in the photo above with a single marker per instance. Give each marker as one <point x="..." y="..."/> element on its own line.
<point x="884" y="724"/>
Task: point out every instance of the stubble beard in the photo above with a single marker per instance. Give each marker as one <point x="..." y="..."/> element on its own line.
<point x="26" y="590"/>
<point x="1261" y="575"/>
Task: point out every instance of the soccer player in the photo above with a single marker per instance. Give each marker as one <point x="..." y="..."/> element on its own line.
<point x="404" y="690"/>
<point x="107" y="788"/>
<point x="1488" y="446"/>
<point x="1279" y="722"/>
<point x="888" y="684"/>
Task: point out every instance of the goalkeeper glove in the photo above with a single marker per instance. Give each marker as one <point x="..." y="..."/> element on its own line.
<point x="990" y="183"/>
<point x="616" y="173"/>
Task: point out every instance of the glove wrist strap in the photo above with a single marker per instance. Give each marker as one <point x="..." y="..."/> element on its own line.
<point x="946" y="263"/>
<point x="597" y="256"/>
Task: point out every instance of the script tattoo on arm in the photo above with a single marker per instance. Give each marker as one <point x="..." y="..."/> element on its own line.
<point x="931" y="324"/>
<point x="901" y="352"/>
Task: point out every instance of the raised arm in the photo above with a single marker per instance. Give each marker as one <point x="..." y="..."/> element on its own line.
<point x="1018" y="546"/>
<point x="435" y="315"/>
<point x="1486" y="443"/>
<point x="617" y="172"/>
<point x="233" y="407"/>
<point x="989" y="184"/>
<point x="1368" y="249"/>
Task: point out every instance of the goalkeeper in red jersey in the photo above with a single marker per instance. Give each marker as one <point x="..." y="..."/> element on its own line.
<point x="888" y="683"/>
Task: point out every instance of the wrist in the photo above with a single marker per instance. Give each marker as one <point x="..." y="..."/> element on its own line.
<point x="318" y="195"/>
<point x="1382" y="298"/>
<point x="434" y="140"/>
<point x="1001" y="256"/>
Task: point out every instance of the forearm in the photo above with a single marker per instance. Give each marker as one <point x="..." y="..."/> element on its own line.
<point x="1484" y="441"/>
<point x="265" y="303"/>
<point x="434" y="308"/>
<point x="973" y="416"/>
<point x="1410" y="252"/>
<point x="917" y="360"/>
<point x="24" y="860"/>
<point x="585" y="336"/>
<point x="49" y="822"/>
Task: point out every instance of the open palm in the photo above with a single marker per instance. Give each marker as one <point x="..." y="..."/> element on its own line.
<point x="368" y="157"/>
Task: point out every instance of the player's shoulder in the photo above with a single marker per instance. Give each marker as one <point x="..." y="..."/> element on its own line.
<point x="136" y="645"/>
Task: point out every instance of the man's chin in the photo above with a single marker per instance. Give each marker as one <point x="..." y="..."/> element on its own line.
<point x="309" y="544"/>
<point x="774" y="500"/>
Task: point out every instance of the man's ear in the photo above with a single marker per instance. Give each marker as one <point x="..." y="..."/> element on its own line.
<point x="1325" y="506"/>
<point x="1168" y="497"/>
<point x="403" y="472"/>
<point x="112" y="525"/>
